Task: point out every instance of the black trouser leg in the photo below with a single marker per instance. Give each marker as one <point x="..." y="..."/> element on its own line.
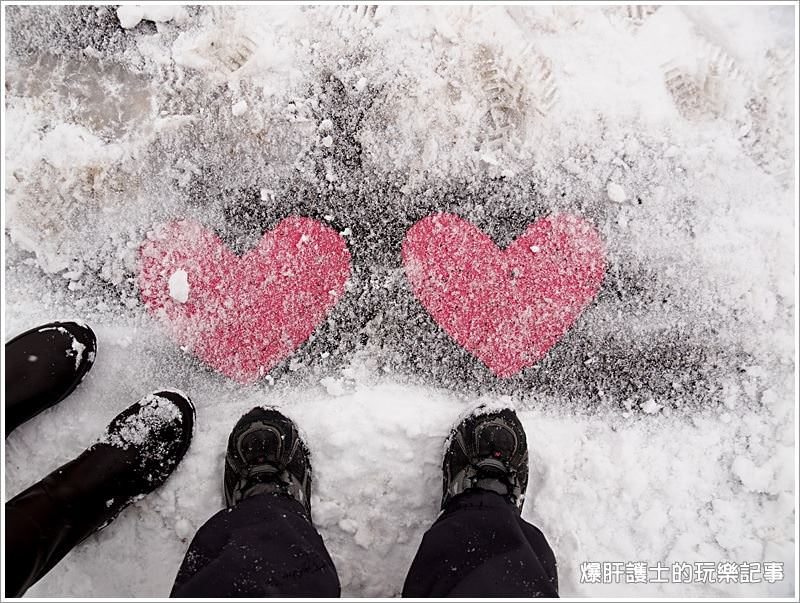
<point x="37" y="536"/>
<point x="264" y="546"/>
<point x="481" y="547"/>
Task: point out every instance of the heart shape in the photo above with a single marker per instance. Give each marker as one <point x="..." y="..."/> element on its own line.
<point x="507" y="307"/>
<point x="243" y="315"/>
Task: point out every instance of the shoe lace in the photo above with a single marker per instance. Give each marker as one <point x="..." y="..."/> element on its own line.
<point x="264" y="478"/>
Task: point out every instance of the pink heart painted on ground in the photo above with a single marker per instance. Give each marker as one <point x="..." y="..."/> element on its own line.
<point x="507" y="307"/>
<point x="243" y="315"/>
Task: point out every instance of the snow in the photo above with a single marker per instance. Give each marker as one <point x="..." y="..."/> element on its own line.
<point x="601" y="488"/>
<point x="660" y="426"/>
<point x="239" y="108"/>
<point x="135" y="429"/>
<point x="179" y="286"/>
<point x="651" y="407"/>
<point x="130" y="15"/>
<point x="77" y="349"/>
<point x="616" y="193"/>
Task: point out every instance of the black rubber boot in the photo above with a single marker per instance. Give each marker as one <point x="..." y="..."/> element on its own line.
<point x="487" y="450"/>
<point x="139" y="450"/>
<point x="266" y="455"/>
<point x="43" y="366"/>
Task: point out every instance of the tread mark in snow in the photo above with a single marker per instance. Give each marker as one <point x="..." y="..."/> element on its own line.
<point x="751" y="110"/>
<point x="514" y="90"/>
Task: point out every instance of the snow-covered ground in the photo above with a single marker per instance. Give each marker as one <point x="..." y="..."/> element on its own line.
<point x="661" y="426"/>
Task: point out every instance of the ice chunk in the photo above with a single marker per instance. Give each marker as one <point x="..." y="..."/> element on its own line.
<point x="651" y="407"/>
<point x="130" y="15"/>
<point x="179" y="286"/>
<point x="616" y="193"/>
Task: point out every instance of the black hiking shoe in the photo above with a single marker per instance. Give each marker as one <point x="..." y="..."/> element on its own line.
<point x="43" y="366"/>
<point x="487" y="450"/>
<point x="139" y="450"/>
<point x="267" y="456"/>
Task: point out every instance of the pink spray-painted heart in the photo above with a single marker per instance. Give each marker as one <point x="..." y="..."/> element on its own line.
<point x="243" y="315"/>
<point x="507" y="307"/>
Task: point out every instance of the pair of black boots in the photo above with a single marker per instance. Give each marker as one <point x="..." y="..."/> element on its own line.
<point x="144" y="444"/>
<point x="137" y="453"/>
